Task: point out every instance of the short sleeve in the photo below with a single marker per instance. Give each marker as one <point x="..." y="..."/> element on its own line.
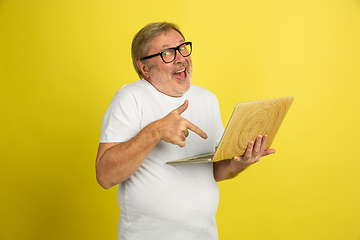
<point x="122" y="119"/>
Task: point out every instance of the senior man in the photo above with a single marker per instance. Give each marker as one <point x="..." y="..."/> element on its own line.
<point x="160" y="118"/>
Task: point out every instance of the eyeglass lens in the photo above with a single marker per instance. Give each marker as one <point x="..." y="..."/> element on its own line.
<point x="169" y="55"/>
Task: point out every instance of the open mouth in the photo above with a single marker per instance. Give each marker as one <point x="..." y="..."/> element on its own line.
<point x="181" y="74"/>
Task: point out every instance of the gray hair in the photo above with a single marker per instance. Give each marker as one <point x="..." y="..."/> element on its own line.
<point x="140" y="44"/>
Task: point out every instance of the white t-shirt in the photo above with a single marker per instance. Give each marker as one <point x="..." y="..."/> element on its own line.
<point x="161" y="201"/>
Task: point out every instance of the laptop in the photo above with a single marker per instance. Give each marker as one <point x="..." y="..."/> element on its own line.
<point x="248" y="120"/>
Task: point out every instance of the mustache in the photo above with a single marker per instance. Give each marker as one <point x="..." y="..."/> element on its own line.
<point x="180" y="66"/>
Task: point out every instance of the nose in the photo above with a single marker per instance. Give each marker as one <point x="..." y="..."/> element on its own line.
<point x="179" y="58"/>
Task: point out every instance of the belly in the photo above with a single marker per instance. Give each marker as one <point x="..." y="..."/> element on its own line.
<point x="170" y="193"/>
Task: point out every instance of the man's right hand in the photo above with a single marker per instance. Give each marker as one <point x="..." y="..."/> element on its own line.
<point x="116" y="162"/>
<point x="173" y="128"/>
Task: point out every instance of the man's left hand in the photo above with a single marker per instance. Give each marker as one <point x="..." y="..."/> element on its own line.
<point x="254" y="151"/>
<point x="229" y="168"/>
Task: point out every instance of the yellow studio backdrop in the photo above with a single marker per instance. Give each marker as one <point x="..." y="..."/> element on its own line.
<point x="61" y="62"/>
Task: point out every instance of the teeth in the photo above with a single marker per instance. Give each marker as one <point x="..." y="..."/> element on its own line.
<point x="180" y="71"/>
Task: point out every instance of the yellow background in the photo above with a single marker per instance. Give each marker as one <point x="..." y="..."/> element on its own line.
<point x="61" y="62"/>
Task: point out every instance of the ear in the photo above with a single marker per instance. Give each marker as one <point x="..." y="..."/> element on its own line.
<point x="144" y="69"/>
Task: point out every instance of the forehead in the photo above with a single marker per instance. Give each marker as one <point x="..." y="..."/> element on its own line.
<point x="165" y="40"/>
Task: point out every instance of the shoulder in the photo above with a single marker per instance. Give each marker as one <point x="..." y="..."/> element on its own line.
<point x="132" y="91"/>
<point x="197" y="90"/>
<point x="201" y="94"/>
<point x="135" y="88"/>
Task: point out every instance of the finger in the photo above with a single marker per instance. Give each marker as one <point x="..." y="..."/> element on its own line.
<point x="180" y="141"/>
<point x="248" y="151"/>
<point x="258" y="142"/>
<point x="236" y="158"/>
<point x="263" y="143"/>
<point x="196" y="130"/>
<point x="183" y="107"/>
<point x="181" y="144"/>
<point x="268" y="152"/>
<point x="186" y="133"/>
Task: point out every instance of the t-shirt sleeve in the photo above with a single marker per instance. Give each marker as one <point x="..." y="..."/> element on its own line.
<point x="122" y="119"/>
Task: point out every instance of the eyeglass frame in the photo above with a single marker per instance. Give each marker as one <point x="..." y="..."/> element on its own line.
<point x="175" y="48"/>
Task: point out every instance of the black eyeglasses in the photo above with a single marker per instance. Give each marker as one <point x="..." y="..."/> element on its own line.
<point x="168" y="55"/>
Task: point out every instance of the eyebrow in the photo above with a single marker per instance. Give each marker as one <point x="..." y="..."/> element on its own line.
<point x="167" y="46"/>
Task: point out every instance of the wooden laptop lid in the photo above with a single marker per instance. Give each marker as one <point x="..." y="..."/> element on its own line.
<point x="250" y="119"/>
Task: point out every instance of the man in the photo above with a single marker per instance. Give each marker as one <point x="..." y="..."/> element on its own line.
<point x="146" y="125"/>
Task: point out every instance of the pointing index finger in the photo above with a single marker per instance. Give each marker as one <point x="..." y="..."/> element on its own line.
<point x="196" y="130"/>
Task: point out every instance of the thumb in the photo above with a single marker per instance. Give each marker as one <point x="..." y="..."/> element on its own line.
<point x="183" y="107"/>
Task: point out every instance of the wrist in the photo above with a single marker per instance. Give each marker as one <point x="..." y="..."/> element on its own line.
<point x="155" y="131"/>
<point x="237" y="165"/>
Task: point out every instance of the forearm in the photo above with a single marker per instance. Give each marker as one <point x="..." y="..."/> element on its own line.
<point x="116" y="162"/>
<point x="225" y="169"/>
<point x="121" y="161"/>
